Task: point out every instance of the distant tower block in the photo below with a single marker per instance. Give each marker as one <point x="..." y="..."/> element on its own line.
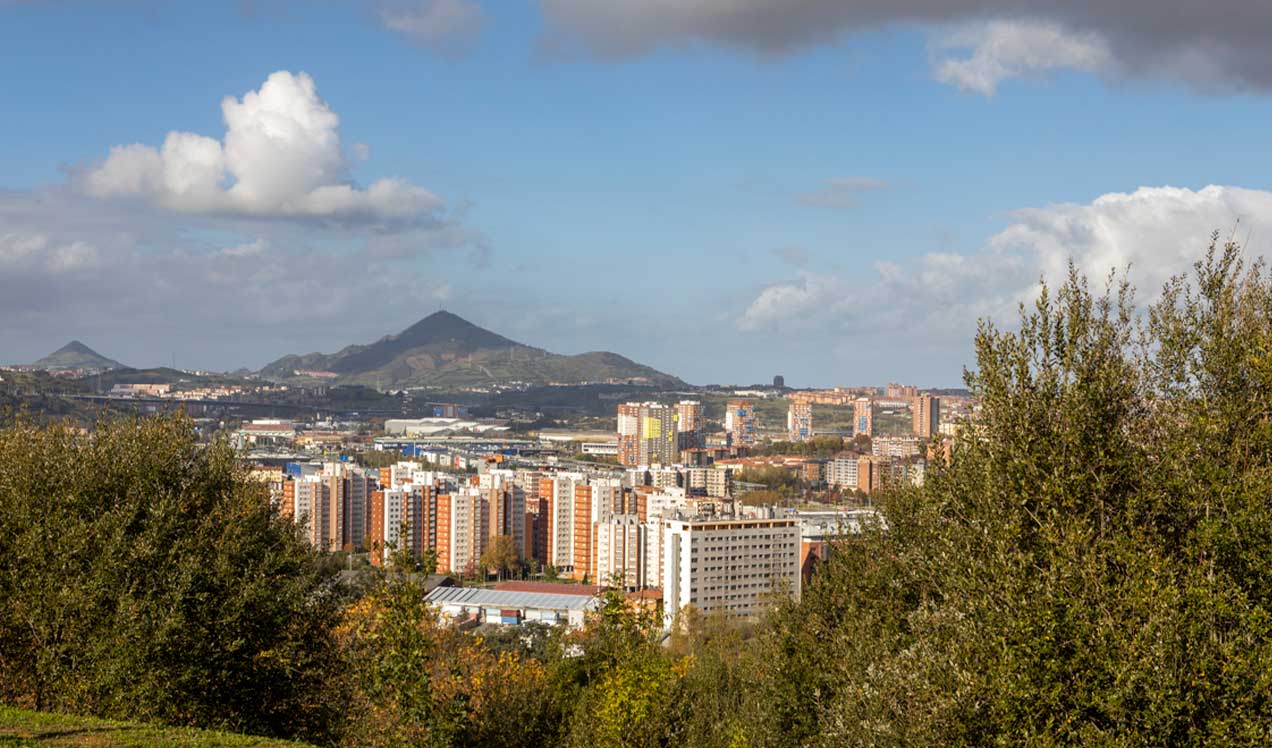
<point x="863" y="417"/>
<point x="779" y="381"/>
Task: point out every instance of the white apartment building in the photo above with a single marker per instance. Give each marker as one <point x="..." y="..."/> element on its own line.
<point x="735" y="566"/>
<point x="313" y="509"/>
<point x="716" y="482"/>
<point x="561" y="508"/>
<point x="841" y="472"/>
<point x="896" y="446"/>
<point x="396" y="510"/>
<point x="620" y="550"/>
<point x="469" y="529"/>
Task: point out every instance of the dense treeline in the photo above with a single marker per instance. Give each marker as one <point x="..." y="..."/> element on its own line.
<point x="1093" y="567"/>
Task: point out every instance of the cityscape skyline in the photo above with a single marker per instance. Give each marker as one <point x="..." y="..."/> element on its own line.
<point x="835" y="196"/>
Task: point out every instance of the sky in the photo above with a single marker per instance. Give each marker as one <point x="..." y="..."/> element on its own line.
<point x="831" y="190"/>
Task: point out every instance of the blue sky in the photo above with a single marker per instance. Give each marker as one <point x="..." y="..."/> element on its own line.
<point x="831" y="204"/>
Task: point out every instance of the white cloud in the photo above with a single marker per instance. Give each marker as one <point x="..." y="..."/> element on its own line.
<point x="794" y="301"/>
<point x="444" y="26"/>
<point x="842" y="192"/>
<point x="1008" y="49"/>
<point x="281" y="158"/>
<point x="35" y="250"/>
<point x="1157" y="231"/>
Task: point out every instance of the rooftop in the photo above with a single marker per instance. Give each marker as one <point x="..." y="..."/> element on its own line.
<point x="510" y="599"/>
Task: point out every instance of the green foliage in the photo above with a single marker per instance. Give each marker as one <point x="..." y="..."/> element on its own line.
<point x="1091" y="568"/>
<point x="774" y="477"/>
<point x="818" y="446"/>
<point x="142" y="576"/>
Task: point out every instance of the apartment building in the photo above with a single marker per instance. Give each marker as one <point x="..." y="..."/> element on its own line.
<point x="926" y="411"/>
<point x="463" y="529"/>
<point x="647" y="434"/>
<point x="799" y="420"/>
<point x="896" y="446"/>
<point x="841" y="471"/>
<point x="733" y="565"/>
<point x="716" y="482"/>
<point x="620" y="551"/>
<point x="863" y="416"/>
<point x="740" y="422"/>
<point x="690" y="425"/>
<point x="901" y="391"/>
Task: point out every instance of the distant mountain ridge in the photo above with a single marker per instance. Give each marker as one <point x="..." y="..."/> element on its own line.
<point x="445" y="350"/>
<point x="76" y="355"/>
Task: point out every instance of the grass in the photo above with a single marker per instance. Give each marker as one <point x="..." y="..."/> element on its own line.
<point x="20" y="728"/>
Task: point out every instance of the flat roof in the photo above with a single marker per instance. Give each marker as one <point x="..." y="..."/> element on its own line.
<point x="551" y="588"/>
<point x="487" y="598"/>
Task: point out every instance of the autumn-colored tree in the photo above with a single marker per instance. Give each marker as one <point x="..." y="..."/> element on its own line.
<point x="500" y="556"/>
<point x="419" y="682"/>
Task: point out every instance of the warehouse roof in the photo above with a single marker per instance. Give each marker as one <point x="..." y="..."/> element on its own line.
<point x="487" y="598"/>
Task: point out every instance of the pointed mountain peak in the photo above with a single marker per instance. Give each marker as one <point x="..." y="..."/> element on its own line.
<point x="77" y="347"/>
<point x="443" y="326"/>
<point x="76" y="355"/>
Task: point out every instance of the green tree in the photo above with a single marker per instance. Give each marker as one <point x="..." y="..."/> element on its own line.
<point x="142" y="576"/>
<point x="1092" y="565"/>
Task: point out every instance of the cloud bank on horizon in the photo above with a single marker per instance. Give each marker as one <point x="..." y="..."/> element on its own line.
<point x="1154" y="232"/>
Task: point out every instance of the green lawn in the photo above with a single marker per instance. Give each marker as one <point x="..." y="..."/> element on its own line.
<point x="24" y="729"/>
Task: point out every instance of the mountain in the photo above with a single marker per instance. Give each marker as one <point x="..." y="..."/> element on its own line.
<point x="445" y="350"/>
<point x="76" y="355"/>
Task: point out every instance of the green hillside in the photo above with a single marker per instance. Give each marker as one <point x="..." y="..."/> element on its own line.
<point x="22" y="728"/>
<point x="444" y="350"/>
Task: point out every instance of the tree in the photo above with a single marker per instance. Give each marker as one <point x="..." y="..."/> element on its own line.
<point x="500" y="556"/>
<point x="1091" y="566"/>
<point x="416" y="681"/>
<point x="143" y="576"/>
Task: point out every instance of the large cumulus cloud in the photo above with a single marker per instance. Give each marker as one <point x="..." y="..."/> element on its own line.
<point x="281" y="158"/>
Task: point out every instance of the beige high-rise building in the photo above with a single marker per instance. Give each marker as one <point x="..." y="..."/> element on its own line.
<point x="863" y="416"/>
<point x="312" y="509"/>
<point x="926" y="410"/>
<point x="740" y="422"/>
<point x="799" y="420"/>
<point x="902" y="391"/>
<point x="690" y="425"/>
<point x="647" y="434"/>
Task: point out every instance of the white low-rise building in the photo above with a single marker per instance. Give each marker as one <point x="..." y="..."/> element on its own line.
<point x="511" y="607"/>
